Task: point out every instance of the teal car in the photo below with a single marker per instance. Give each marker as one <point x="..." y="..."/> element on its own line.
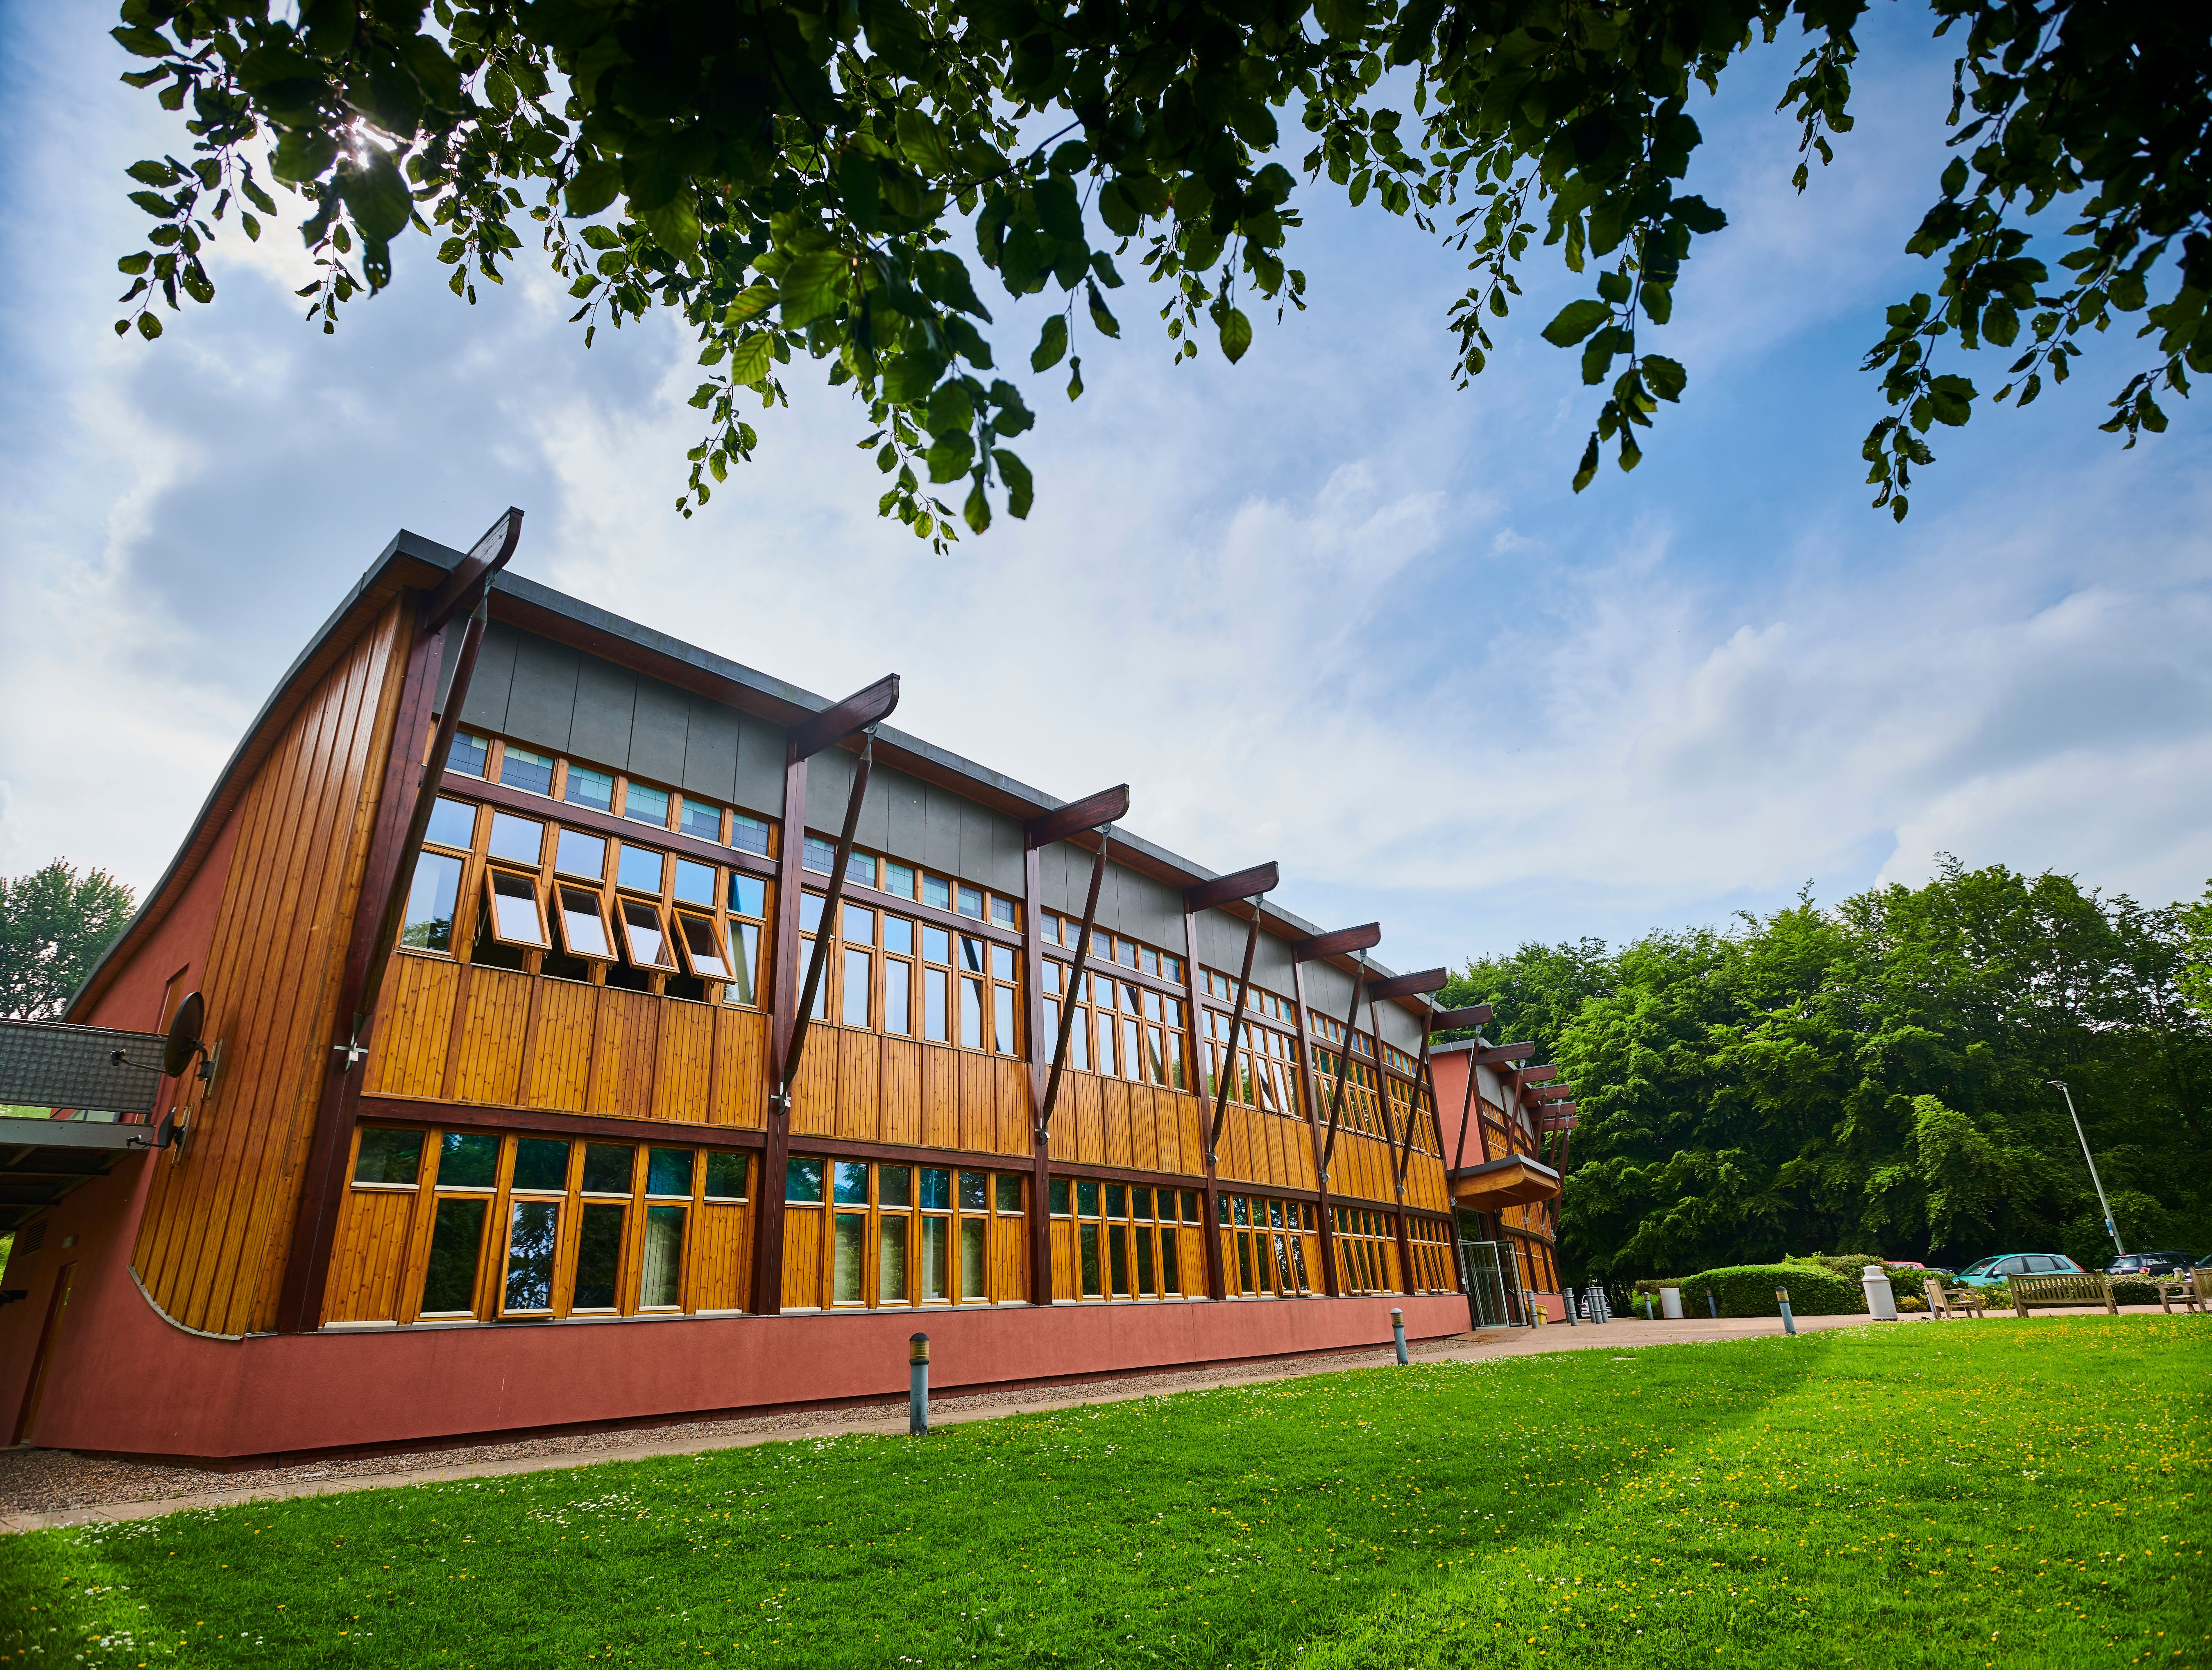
<point x="2001" y="1267"/>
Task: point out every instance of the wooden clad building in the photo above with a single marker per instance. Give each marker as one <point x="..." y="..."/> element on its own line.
<point x="598" y="1029"/>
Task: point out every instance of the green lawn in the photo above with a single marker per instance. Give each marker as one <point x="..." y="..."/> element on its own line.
<point x="1965" y="1493"/>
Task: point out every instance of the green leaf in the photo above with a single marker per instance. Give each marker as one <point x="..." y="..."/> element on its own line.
<point x="1052" y="345"/>
<point x="751" y="303"/>
<point x="155" y="204"/>
<point x="375" y="195"/>
<point x="1586" y="471"/>
<point x="159" y="174"/>
<point x="674" y="226"/>
<point x="1665" y="378"/>
<point x="1236" y="333"/>
<point x="1021" y="491"/>
<point x="135" y="265"/>
<point x="909" y="378"/>
<point x="1110" y="326"/>
<point x="1575" y="321"/>
<point x="976" y="512"/>
<point x="142" y="42"/>
<point x="1075" y="377"/>
<point x="923" y="146"/>
<point x="148" y="326"/>
<point x="812" y="285"/>
<point x="592" y="188"/>
<point x="1058" y="211"/>
<point x="944" y="278"/>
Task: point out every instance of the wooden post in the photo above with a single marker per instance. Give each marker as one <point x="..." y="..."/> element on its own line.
<point x="1216" y="1280"/>
<point x="783" y="999"/>
<point x="1329" y="1285"/>
<point x="1039" y="1215"/>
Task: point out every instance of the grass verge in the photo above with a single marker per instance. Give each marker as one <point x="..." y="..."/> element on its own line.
<point x="1993" y="1493"/>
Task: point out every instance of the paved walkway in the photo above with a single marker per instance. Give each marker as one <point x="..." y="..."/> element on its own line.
<point x="41" y="1488"/>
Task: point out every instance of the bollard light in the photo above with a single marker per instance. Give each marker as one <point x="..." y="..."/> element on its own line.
<point x="1788" y="1322"/>
<point x="917" y="1406"/>
<point x="1398" y="1333"/>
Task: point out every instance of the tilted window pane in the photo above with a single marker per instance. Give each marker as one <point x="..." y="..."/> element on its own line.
<point x="533" y="1232"/>
<point x="660" y="1286"/>
<point x="725" y="1175"/>
<point x="514" y="910"/>
<point x="608" y="1168"/>
<point x="802" y="1180"/>
<point x="695" y="882"/>
<point x="541" y="1163"/>
<point x="598" y="1256"/>
<point x="431" y="897"/>
<point x="668" y="1171"/>
<point x="449" y="1284"/>
<point x="647" y="944"/>
<point x="859" y="967"/>
<point x="452" y="823"/>
<point x="388" y="1156"/>
<point x="639" y="869"/>
<point x="849" y="1181"/>
<point x="703" y="946"/>
<point x="936" y="1258"/>
<point x="583" y="930"/>
<point x="975" y="1267"/>
<point x="468" y="754"/>
<point x="587" y="787"/>
<point x="519" y="768"/>
<point x="644" y="804"/>
<point x="848" y="1256"/>
<point x="468" y="1159"/>
<point x="575" y="854"/>
<point x="890" y="1259"/>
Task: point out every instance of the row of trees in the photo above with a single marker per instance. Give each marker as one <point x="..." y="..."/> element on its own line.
<point x="1875" y="1075"/>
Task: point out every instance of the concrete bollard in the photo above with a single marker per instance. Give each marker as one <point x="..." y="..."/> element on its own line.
<point x="917" y="1405"/>
<point x="1788" y="1322"/>
<point x="1398" y="1333"/>
<point x="1881" y="1299"/>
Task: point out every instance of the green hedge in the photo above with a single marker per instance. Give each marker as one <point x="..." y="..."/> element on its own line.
<point x="2134" y="1290"/>
<point x="1748" y="1290"/>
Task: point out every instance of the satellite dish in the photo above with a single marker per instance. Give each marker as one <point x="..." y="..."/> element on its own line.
<point x="184" y="1040"/>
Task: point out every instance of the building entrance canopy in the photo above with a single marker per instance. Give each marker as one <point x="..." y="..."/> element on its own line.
<point x="1514" y="1181"/>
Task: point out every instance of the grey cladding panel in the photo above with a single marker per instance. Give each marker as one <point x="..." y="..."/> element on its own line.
<point x="606" y="699"/>
<point x="1329" y="988"/>
<point x="1271" y="966"/>
<point x="485" y="707"/>
<point x="542" y="704"/>
<point x="1221" y="941"/>
<point x="1151" y="911"/>
<point x="1009" y="867"/>
<point x="904" y="803"/>
<point x="710" y="751"/>
<point x="1055" y="890"/>
<point x="829" y="782"/>
<point x="760" y="766"/>
<point x="875" y="825"/>
<point x="1400" y="1026"/>
<point x="940" y="836"/>
<point x="658" y="731"/>
<point x="979" y="844"/>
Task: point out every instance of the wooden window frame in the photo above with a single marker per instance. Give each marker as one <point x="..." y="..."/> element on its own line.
<point x="534" y="885"/>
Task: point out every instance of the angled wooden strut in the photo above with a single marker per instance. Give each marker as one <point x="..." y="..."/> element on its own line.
<point x="1071" y="994"/>
<point x="869" y="701"/>
<point x="1250" y="885"/>
<point x="1344" y="1055"/>
<point x="1429" y="980"/>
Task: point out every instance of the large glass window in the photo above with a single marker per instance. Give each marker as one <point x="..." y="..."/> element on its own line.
<point x="388" y="1156"/>
<point x="449" y="1284"/>
<point x="598" y="1256"/>
<point x="468" y="1159"/>
<point x="520" y="767"/>
<point x="532" y="1239"/>
<point x="661" y="1285"/>
<point x="432" y="897"/>
<point x="452" y="823"/>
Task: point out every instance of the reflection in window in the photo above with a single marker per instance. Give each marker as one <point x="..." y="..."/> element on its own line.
<point x="695" y="882"/>
<point x="639" y="869"/>
<point x="644" y="938"/>
<point x="388" y="1156"/>
<point x="583" y="929"/>
<point x="641" y="804"/>
<point x="452" y="823"/>
<point x="520" y="768"/>
<point x="725" y="1175"/>
<point x="431" y="898"/>
<point x="974" y="1267"/>
<point x="668" y="1171"/>
<point x="936" y="1258"/>
<point x="802" y="1181"/>
<point x="468" y="754"/>
<point x="608" y="1167"/>
<point x="848" y="1254"/>
<point x="897" y="999"/>
<point x="598" y="1256"/>
<point x="514" y="910"/>
<point x="748" y="835"/>
<point x="576" y="853"/>
<point x="748" y="895"/>
<point x="533" y="1231"/>
<point x="703" y="819"/>
<point x="541" y="1163"/>
<point x="449" y="1285"/>
<point x="661" y="1285"/>
<point x="858" y="965"/>
<point x="468" y="1159"/>
<point x="587" y="787"/>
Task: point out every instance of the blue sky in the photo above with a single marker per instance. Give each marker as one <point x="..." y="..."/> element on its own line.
<point x="1318" y="607"/>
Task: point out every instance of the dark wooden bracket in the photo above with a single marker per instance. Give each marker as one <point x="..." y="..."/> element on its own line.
<point x="459" y="591"/>
<point x="1339" y="942"/>
<point x="1246" y="884"/>
<point x="1343" y="1048"/>
<point x="863" y="710"/>
<point x="1413" y="1104"/>
<point x="1461" y="1020"/>
<point x="1407" y="986"/>
<point x="1071" y="994"/>
<point x="827" y="928"/>
<point x="1491" y="1055"/>
<point x="1258" y="873"/>
<point x="1092" y="812"/>
<point x="1467" y="1107"/>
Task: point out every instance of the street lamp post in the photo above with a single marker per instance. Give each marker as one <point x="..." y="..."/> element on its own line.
<point x="2111" y="1228"/>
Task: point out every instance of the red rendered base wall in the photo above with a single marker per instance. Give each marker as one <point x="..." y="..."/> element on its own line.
<point x="126" y="1379"/>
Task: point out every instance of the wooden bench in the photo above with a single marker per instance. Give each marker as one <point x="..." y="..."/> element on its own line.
<point x="2075" y="1288"/>
<point x="2192" y="1287"/>
<point x="1944" y="1300"/>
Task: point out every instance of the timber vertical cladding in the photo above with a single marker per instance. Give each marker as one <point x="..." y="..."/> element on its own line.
<point x="212" y="1242"/>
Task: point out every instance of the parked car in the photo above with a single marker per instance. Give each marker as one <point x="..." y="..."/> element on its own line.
<point x="2001" y="1267"/>
<point x="2149" y="1263"/>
